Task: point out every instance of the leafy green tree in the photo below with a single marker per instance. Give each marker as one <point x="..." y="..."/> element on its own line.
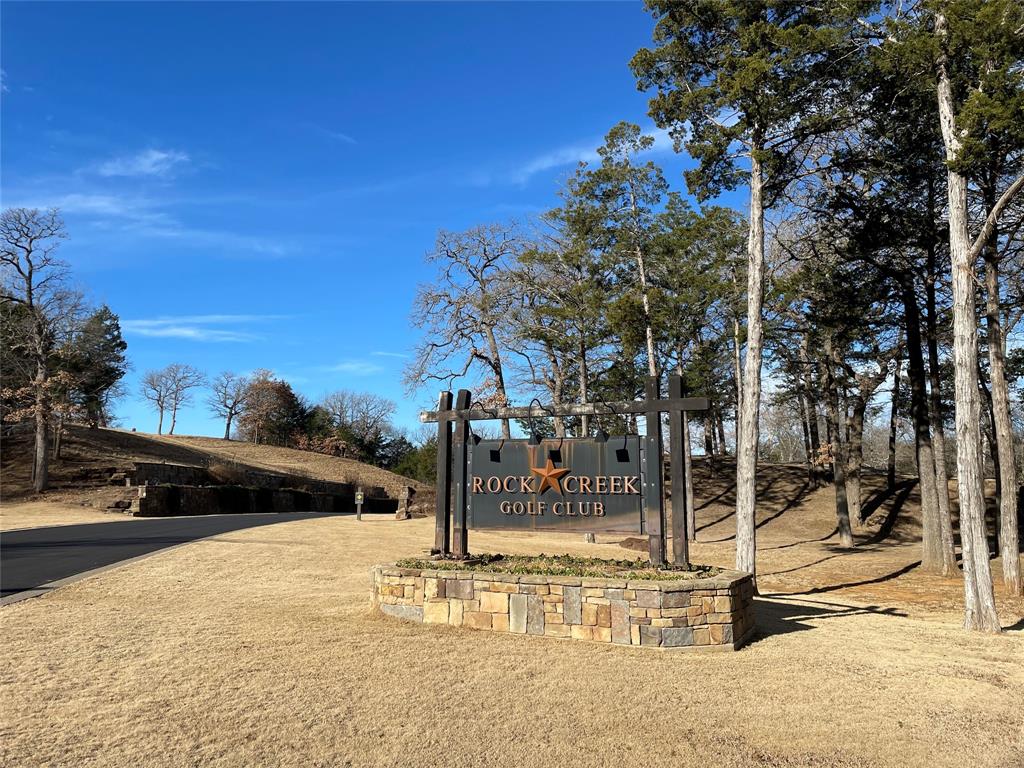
<point x="419" y="463"/>
<point x="980" y="91"/>
<point x="883" y="202"/>
<point x="563" y="283"/>
<point x="749" y="86"/>
<point x="623" y="196"/>
<point x="97" y="363"/>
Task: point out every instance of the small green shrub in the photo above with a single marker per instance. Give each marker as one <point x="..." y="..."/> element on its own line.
<point x="562" y="565"/>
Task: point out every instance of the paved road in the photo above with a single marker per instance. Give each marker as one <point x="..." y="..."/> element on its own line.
<point x="32" y="558"/>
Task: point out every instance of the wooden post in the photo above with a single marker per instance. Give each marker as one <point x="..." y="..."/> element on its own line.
<point x="680" y="510"/>
<point x="442" y="515"/>
<point x="655" y="507"/>
<point x="460" y="479"/>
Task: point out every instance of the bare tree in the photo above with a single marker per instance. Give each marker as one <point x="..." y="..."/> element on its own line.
<point x="464" y="311"/>
<point x="156" y="388"/>
<point x="227" y="398"/>
<point x="183" y="380"/>
<point x="366" y="415"/>
<point x="169" y="389"/>
<point x="34" y="279"/>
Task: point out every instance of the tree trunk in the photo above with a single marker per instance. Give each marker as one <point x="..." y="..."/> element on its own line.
<point x="174" y="419"/>
<point x="812" y="408"/>
<point x="855" y="457"/>
<point x="720" y="426"/>
<point x="41" y="474"/>
<point x="160" y="421"/>
<point x="935" y="557"/>
<point x="935" y="404"/>
<point x="584" y="383"/>
<point x="1006" y="476"/>
<point x="58" y="439"/>
<point x="645" y="300"/>
<point x="980" y="605"/>
<point x="805" y="421"/>
<point x="499" y="380"/>
<point x="748" y="432"/>
<point x="893" y="423"/>
<point x="737" y="360"/>
<point x="227" y="427"/>
<point x="831" y="392"/>
<point x="691" y="526"/>
<point x="652" y="353"/>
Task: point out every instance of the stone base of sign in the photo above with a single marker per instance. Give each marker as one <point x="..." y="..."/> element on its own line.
<point x="699" y="614"/>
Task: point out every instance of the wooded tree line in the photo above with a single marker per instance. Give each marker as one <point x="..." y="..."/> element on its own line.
<point x="880" y="257"/>
<point x="263" y="408"/>
<point x="61" y="359"/>
<point x="64" y="361"/>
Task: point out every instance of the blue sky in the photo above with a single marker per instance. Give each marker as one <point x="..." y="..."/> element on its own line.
<point x="256" y="184"/>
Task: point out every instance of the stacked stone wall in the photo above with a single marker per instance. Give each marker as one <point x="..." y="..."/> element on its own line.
<point x="154" y="473"/>
<point x="713" y="614"/>
<point x="182" y="500"/>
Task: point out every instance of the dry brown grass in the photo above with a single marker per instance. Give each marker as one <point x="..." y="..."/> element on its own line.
<point x="799" y="551"/>
<point x="290" y="461"/>
<point x="35" y="514"/>
<point x="259" y="648"/>
<point x="108" y="449"/>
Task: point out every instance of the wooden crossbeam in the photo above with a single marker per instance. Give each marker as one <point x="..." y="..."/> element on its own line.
<point x="584" y="409"/>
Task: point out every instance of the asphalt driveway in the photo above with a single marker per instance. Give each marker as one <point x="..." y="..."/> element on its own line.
<point x="33" y="558"/>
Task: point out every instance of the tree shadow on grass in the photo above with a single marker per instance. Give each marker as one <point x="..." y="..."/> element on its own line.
<point x="1018" y="627"/>
<point x="782" y="617"/>
<point x="826" y="537"/>
<point x="805" y="565"/>
<point x="793" y="501"/>
<point x="900" y="495"/>
<point x="848" y="584"/>
<point x="718" y="497"/>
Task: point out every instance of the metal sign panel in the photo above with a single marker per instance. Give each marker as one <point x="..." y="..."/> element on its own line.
<point x="574" y="484"/>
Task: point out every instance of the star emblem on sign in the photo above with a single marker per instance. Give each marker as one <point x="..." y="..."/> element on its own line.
<point x="550" y="476"/>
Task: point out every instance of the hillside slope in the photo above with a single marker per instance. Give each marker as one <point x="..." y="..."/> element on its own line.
<point x="88" y="452"/>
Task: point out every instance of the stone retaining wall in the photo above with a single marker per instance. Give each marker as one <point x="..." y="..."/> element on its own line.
<point x="711" y="614"/>
<point x="153" y="473"/>
<point x="181" y="500"/>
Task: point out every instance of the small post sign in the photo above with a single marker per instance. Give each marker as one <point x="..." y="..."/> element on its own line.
<point x="359" y="504"/>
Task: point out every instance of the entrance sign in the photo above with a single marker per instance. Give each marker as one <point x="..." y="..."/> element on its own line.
<point x="571" y="485"/>
<point x="586" y="485"/>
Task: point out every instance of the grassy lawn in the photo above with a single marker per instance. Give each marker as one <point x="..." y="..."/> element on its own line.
<point x="259" y="647"/>
<point x="36" y="514"/>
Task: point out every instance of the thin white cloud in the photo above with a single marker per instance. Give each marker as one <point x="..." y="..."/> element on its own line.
<point x="197" y="327"/>
<point x="584" y="152"/>
<point x="141" y="217"/>
<point x="356" y="368"/>
<point x="3" y="82"/>
<point x="332" y="134"/>
<point x="555" y="159"/>
<point x="148" y="162"/>
<point x="402" y="355"/>
<point x="189" y="333"/>
<point x="104" y="205"/>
